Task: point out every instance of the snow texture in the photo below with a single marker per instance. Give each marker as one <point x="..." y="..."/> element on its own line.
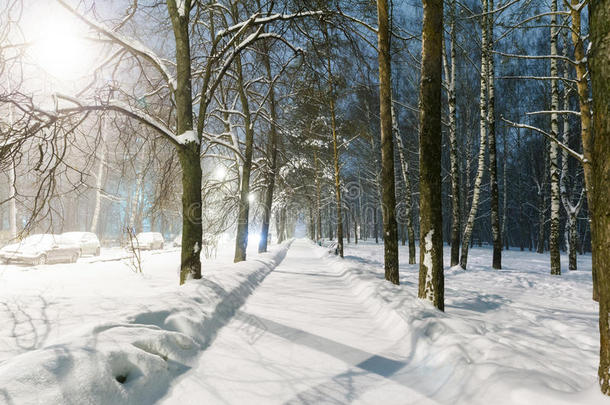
<point x="181" y="4"/>
<point x="124" y="349"/>
<point x="334" y="331"/>
<point x="316" y="329"/>
<point x="187" y="137"/>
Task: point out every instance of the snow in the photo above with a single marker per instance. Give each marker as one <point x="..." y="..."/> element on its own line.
<point x="187" y="137"/>
<point x="72" y="331"/>
<point x="429" y="290"/>
<point x="314" y="329"/>
<point x="181" y="4"/>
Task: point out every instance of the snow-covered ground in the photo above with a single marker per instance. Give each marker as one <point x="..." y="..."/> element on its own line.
<point x="314" y="329"/>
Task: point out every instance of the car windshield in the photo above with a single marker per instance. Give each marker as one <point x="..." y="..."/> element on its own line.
<point x="40" y="240"/>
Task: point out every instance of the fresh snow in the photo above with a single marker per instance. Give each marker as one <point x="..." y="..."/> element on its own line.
<point x="188" y="136"/>
<point x="305" y="328"/>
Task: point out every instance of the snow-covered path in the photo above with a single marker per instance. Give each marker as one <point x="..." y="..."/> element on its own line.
<point x="302" y="337"/>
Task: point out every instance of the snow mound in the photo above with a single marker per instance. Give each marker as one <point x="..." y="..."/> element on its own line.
<point x="134" y="362"/>
<point x="505" y="338"/>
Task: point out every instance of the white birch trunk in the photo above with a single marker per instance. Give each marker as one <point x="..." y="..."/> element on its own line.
<point x="99" y="182"/>
<point x="554" y="150"/>
<point x="482" y="148"/>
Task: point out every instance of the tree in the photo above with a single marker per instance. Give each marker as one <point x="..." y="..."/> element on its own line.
<point x="431" y="279"/>
<point x="554" y="149"/>
<point x="390" y="239"/>
<point x="600" y="190"/>
<point x="483" y="102"/>
<point x="450" y="77"/>
<point x="404" y="170"/>
<point x="333" y="129"/>
<point x="488" y="19"/>
<point x="225" y="45"/>
<point x="271" y="152"/>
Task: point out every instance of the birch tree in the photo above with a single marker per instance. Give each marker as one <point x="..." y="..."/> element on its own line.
<point x="553" y="148"/>
<point x="450" y="77"/>
<point x="488" y="22"/>
<point x="404" y="170"/>
<point x="484" y="78"/>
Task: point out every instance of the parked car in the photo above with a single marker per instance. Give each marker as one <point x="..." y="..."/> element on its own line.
<point x="88" y="242"/>
<point x="40" y="249"/>
<point x="149" y="241"/>
<point x="177" y="241"/>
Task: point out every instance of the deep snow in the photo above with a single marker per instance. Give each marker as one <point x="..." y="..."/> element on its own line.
<point x="317" y="329"/>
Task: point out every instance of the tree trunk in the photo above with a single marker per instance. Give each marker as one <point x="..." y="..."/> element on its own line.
<point x="431" y="278"/>
<point x="553" y="150"/>
<point x="390" y="238"/>
<point x="12" y="175"/>
<point x="450" y="72"/>
<point x="241" y="239"/>
<point x="318" y="196"/>
<point x="571" y="210"/>
<point x="189" y="153"/>
<point x="599" y="11"/>
<point x="355" y="227"/>
<point x="191" y="212"/>
<point x="408" y="195"/>
<point x="582" y="87"/>
<point x="522" y="219"/>
<point x="272" y="155"/>
<point x="466" y="239"/>
<point x="505" y="196"/>
<point x="99" y="182"/>
<point x="493" y="164"/>
<point x="333" y="124"/>
<point x="312" y="224"/>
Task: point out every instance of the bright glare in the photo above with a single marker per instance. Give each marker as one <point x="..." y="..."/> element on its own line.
<point x="58" y="46"/>
<point x="253" y="239"/>
<point x="251" y="198"/>
<point x="220" y="173"/>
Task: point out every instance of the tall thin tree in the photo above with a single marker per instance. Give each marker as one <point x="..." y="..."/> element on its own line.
<point x="388" y="206"/>
<point x="431" y="278"/>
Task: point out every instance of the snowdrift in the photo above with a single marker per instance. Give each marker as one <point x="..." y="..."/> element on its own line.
<point x="134" y="361"/>
<point x="509" y="348"/>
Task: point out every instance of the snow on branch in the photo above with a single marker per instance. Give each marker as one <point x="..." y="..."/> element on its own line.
<point x="552" y="138"/>
<point x="565" y="79"/>
<point x="257" y="20"/>
<point x="124" y="108"/>
<point x="554" y="112"/>
<point x="513" y="55"/>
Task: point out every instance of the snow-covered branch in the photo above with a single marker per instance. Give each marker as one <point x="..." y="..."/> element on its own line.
<point x="133" y="46"/>
<point x="550" y="137"/>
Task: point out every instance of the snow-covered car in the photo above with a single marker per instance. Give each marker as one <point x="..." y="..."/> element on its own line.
<point x="149" y="241"/>
<point x="40" y="249"/>
<point x="177" y="241"/>
<point x="87" y="241"/>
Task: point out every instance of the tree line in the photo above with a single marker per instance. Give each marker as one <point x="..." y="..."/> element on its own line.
<point x="462" y="122"/>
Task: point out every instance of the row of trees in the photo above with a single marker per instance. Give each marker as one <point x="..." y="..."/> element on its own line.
<point x="321" y="107"/>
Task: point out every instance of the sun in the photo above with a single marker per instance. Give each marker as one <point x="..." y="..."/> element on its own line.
<point x="58" y="45"/>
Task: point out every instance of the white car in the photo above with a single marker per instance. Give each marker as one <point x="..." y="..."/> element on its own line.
<point x="149" y="241"/>
<point x="40" y="249"/>
<point x="88" y="242"/>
